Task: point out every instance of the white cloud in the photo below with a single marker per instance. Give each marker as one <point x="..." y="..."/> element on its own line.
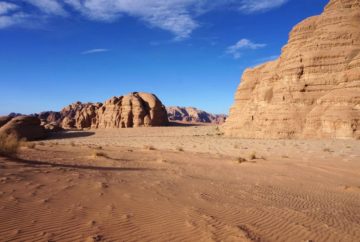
<point x="6" y="7"/>
<point x="235" y="50"/>
<point x="175" y="16"/>
<point x="52" y="7"/>
<point x="9" y="15"/>
<point x="252" y="6"/>
<point x="93" y="51"/>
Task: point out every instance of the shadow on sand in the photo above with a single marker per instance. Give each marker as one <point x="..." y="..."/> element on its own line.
<point x="80" y="167"/>
<point x="180" y="124"/>
<point x="69" y="134"/>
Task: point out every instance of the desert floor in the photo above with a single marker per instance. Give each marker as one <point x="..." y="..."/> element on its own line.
<point x="180" y="184"/>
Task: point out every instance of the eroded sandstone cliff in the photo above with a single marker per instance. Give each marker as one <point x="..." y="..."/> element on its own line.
<point x="193" y="115"/>
<point x="313" y="89"/>
<point x="133" y="110"/>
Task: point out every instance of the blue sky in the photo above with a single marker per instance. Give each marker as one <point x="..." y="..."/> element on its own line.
<point x="187" y="52"/>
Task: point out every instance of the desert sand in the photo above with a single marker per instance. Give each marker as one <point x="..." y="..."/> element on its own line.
<point x="180" y="184"/>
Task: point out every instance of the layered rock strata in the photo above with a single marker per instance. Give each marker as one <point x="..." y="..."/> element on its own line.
<point x="313" y="89"/>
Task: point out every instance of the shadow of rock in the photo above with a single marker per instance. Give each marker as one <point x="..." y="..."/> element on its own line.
<point x="180" y="124"/>
<point x="73" y="166"/>
<point x="69" y="134"/>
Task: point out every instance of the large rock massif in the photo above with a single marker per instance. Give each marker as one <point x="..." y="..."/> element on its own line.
<point x="193" y="115"/>
<point x="313" y="89"/>
<point x="133" y="110"/>
<point x="23" y="127"/>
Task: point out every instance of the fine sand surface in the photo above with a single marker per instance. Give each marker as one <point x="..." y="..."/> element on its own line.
<point x="180" y="184"/>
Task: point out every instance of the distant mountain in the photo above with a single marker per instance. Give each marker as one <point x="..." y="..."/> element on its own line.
<point x="193" y="115"/>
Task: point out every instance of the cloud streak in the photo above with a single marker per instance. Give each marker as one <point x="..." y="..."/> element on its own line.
<point x="94" y="51"/>
<point x="235" y="50"/>
<point x="253" y="6"/>
<point x="176" y="16"/>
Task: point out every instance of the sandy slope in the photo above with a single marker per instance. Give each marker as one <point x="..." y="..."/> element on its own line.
<point x="294" y="191"/>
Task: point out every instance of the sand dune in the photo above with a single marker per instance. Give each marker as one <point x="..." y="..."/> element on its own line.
<point x="180" y="184"/>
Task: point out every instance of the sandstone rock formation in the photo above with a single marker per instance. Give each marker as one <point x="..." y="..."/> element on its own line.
<point x="4" y="120"/>
<point x="193" y="115"/>
<point x="133" y="110"/>
<point x="23" y="127"/>
<point x="313" y="89"/>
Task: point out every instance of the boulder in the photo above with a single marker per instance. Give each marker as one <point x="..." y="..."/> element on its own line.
<point x="4" y="120"/>
<point x="24" y="127"/>
<point x="313" y="89"/>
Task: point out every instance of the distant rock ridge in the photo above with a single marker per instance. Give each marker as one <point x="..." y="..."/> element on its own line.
<point x="313" y="89"/>
<point x="136" y="109"/>
<point x="194" y="115"/>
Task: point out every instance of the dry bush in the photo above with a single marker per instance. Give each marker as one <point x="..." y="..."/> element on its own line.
<point x="72" y="144"/>
<point x="9" y="145"/>
<point x="99" y="154"/>
<point x="241" y="160"/>
<point x="180" y="149"/>
<point x="252" y="156"/>
<point x="327" y="150"/>
<point x="149" y="147"/>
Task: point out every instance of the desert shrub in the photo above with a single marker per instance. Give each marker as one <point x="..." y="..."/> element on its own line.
<point x="180" y="149"/>
<point x="72" y="144"/>
<point x="99" y="154"/>
<point x="252" y="156"/>
<point x="327" y="150"/>
<point x="149" y="147"/>
<point x="9" y="145"/>
<point x="241" y="160"/>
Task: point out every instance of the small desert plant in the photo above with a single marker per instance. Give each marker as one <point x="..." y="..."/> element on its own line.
<point x="252" y="156"/>
<point x="241" y="160"/>
<point x="9" y="145"/>
<point x="149" y="147"/>
<point x="180" y="149"/>
<point x="98" y="147"/>
<point x="72" y="144"/>
<point x="327" y="150"/>
<point x="99" y="154"/>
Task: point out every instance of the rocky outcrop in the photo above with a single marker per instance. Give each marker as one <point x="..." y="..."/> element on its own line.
<point x="193" y="115"/>
<point x="4" y="120"/>
<point x="23" y="127"/>
<point x="313" y="89"/>
<point x="133" y="110"/>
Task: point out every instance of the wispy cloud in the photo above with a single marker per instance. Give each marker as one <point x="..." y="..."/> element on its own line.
<point x="253" y="6"/>
<point x="51" y="7"/>
<point x="176" y="16"/>
<point x="93" y="51"/>
<point x="235" y="50"/>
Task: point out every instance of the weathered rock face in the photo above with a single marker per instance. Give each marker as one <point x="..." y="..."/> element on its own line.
<point x="49" y="116"/>
<point x="24" y="127"/>
<point x="133" y="110"/>
<point x="4" y="120"/>
<point x="313" y="89"/>
<point x="193" y="115"/>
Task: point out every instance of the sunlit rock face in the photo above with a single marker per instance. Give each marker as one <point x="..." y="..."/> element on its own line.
<point x="132" y="110"/>
<point x="313" y="89"/>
